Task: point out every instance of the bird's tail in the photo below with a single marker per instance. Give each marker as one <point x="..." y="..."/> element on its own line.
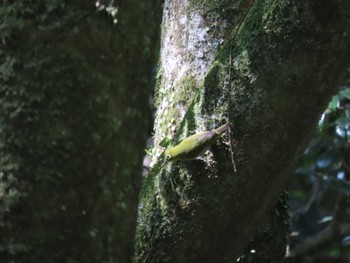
<point x="222" y="129"/>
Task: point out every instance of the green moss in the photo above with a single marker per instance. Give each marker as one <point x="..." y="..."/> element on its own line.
<point x="183" y="100"/>
<point x="190" y="119"/>
<point x="211" y="80"/>
<point x="223" y="53"/>
<point x="185" y="92"/>
<point x="157" y="95"/>
<point x="69" y="164"/>
<point x="208" y="5"/>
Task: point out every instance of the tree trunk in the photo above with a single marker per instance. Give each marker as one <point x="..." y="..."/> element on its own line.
<point x="288" y="58"/>
<point x="74" y="107"/>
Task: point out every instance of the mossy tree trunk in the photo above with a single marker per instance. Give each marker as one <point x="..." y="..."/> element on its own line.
<point x="74" y="107"/>
<point x="288" y="58"/>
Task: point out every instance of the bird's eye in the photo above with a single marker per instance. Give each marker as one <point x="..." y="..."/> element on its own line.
<point x="168" y="157"/>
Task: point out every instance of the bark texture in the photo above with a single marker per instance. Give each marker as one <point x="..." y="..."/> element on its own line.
<point x="287" y="60"/>
<point x="73" y="119"/>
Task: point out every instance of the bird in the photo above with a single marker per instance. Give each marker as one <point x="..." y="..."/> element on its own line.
<point x="194" y="145"/>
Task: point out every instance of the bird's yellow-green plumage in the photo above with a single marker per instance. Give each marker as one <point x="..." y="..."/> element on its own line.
<point x="194" y="145"/>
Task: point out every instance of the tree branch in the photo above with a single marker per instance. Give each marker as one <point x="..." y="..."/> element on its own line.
<point x="334" y="232"/>
<point x="322" y="239"/>
<point x="201" y="220"/>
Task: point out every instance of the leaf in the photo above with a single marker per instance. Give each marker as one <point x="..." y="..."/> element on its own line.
<point x="326" y="219"/>
<point x="345" y="93"/>
<point x="325" y="159"/>
<point x="148" y="152"/>
<point x="346" y="241"/>
<point x="341" y="132"/>
<point x="165" y="142"/>
<point x="343" y="123"/>
<point x="334" y="103"/>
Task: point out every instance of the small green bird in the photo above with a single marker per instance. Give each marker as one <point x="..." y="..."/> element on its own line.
<point x="195" y="145"/>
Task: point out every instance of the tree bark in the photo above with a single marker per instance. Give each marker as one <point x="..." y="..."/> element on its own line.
<point x="288" y="57"/>
<point x="74" y="91"/>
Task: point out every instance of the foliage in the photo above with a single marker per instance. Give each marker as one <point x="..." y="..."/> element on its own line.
<point x="322" y="177"/>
